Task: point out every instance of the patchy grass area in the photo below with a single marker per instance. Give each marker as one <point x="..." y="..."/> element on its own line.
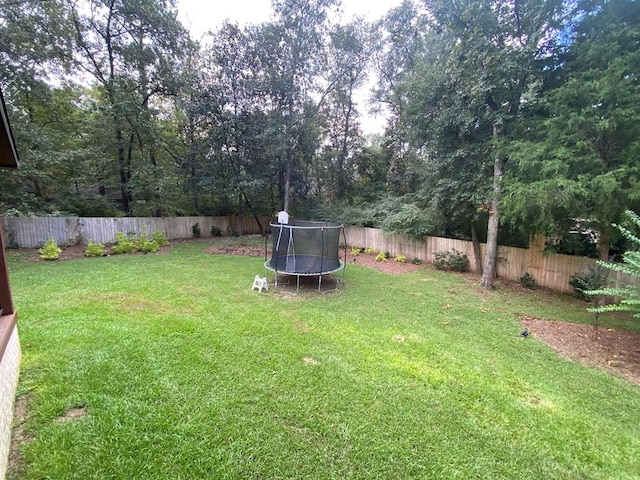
<point x="169" y="366"/>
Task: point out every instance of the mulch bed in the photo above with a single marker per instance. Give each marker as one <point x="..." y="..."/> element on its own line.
<point x="616" y="351"/>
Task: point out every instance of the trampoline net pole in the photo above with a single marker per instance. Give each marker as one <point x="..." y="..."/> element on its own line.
<point x="277" y="250"/>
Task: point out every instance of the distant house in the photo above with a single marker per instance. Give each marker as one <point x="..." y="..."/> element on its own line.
<point x="9" y="344"/>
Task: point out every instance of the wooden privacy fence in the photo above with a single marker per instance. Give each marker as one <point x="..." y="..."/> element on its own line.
<point x="32" y="232"/>
<point x="551" y="271"/>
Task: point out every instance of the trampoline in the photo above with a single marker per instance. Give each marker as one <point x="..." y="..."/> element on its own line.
<point x="306" y="248"/>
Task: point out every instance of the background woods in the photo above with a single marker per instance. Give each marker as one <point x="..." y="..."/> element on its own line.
<point x="501" y="118"/>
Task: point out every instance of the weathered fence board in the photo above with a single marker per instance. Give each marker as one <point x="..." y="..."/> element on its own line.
<point x="32" y="232"/>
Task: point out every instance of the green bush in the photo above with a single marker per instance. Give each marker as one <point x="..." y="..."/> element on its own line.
<point x="124" y="244"/>
<point x="216" y="231"/>
<point x="195" y="231"/>
<point x="368" y="250"/>
<point x="453" y="260"/>
<point x="144" y="244"/>
<point x="160" y="238"/>
<point x="401" y="258"/>
<point x="416" y="261"/>
<point x="50" y="250"/>
<point x="593" y="279"/>
<point x="381" y="257"/>
<point x="147" y="246"/>
<point x="527" y="281"/>
<point x="355" y="251"/>
<point x="94" y="250"/>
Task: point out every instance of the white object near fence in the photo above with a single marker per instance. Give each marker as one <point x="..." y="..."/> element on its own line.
<point x="260" y="283"/>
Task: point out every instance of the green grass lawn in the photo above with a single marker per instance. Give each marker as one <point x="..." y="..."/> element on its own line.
<point x="185" y="373"/>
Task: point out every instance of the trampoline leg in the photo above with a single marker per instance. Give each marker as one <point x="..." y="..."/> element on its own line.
<point x="297" y="283"/>
<point x="319" y="283"/>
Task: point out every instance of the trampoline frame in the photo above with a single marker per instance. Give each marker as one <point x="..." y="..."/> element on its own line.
<point x="292" y="257"/>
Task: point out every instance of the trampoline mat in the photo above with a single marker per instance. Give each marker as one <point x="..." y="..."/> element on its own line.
<point x="304" y="264"/>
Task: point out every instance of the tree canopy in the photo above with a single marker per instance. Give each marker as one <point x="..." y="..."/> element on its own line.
<point x="502" y="117"/>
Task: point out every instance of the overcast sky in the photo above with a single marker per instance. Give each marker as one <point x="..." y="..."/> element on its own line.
<point x="203" y="15"/>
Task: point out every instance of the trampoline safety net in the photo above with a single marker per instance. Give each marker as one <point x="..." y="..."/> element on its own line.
<point x="305" y="247"/>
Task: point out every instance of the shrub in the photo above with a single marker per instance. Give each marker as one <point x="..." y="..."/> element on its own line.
<point x="195" y="230"/>
<point x="50" y="250"/>
<point x="528" y="281"/>
<point x="147" y="246"/>
<point x="593" y="279"/>
<point x="387" y="254"/>
<point x="94" y="250"/>
<point x="124" y="244"/>
<point x="401" y="258"/>
<point x="416" y="261"/>
<point x="216" y="231"/>
<point x="629" y="294"/>
<point x="160" y="239"/>
<point x="368" y="250"/>
<point x="355" y="251"/>
<point x="381" y="257"/>
<point x="453" y="260"/>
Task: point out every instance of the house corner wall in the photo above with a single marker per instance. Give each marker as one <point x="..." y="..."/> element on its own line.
<point x="9" y="372"/>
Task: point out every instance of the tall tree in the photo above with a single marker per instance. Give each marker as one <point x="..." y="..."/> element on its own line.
<point x="399" y="39"/>
<point x="347" y="58"/>
<point x="290" y="54"/>
<point x="130" y="48"/>
<point x="579" y="152"/>
<point x="486" y="61"/>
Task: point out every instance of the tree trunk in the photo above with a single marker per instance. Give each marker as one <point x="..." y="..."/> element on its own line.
<point x="491" y="252"/>
<point x="122" y="168"/>
<point x="603" y="245"/>
<point x="287" y="181"/>
<point x="476" y="247"/>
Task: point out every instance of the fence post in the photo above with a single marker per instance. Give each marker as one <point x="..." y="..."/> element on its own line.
<point x="536" y="256"/>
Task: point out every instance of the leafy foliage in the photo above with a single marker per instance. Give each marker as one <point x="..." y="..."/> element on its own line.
<point x="124" y="244"/>
<point x="452" y="260"/>
<point x="630" y="293"/>
<point x="593" y="279"/>
<point x="160" y="238"/>
<point x="50" y="250"/>
<point x="577" y="151"/>
<point x="94" y="249"/>
<point x="528" y="281"/>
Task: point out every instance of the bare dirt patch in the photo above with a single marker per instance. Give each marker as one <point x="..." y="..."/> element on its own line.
<point x="387" y="266"/>
<point x="616" y="351"/>
<point x="244" y="250"/>
<point x="16" y="465"/>
<point x="73" y="414"/>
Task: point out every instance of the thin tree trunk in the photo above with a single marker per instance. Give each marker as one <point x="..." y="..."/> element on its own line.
<point x="603" y="245"/>
<point x="476" y="247"/>
<point x="287" y="181"/>
<point x="491" y="252"/>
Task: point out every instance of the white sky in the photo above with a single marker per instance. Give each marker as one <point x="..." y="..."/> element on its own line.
<point x="200" y="16"/>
